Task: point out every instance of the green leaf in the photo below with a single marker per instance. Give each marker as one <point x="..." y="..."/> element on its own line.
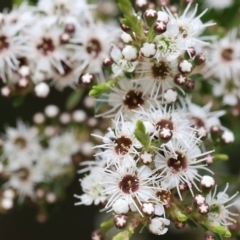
<point x="220" y="157"/>
<point x="17" y="2"/>
<point x="141" y="135"/>
<point x="74" y="99"/>
<point x="101" y="88"/>
<point x="218" y="236"/>
<point x="100" y="104"/>
<point x="18" y="101"/>
<point x="196" y="77"/>
<point x="130" y="19"/>
<point x="191" y="223"/>
<point x="122" y="236"/>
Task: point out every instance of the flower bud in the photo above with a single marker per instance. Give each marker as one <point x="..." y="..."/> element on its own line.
<point x="180" y="225"/>
<point x="146" y="158"/>
<point x="203" y="208"/>
<point x="42" y="90"/>
<point x="170" y="95"/>
<point x="147" y="208"/>
<point x="210" y="236"/>
<point x="207" y="182"/>
<point x="86" y="79"/>
<point x="180" y="79"/>
<point x="160" y="27"/>
<point x="148" y="50"/>
<point x="120" y="206"/>
<point x="190" y="84"/>
<point x="120" y="221"/>
<point x="150" y="16"/>
<point x="97" y="235"/>
<point x="199" y="199"/>
<point x="185" y="67"/>
<point x="199" y="59"/>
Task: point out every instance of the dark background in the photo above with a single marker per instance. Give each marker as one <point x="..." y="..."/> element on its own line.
<point x="67" y="222"/>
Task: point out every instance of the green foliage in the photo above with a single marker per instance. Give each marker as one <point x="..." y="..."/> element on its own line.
<point x="74" y="99"/>
<point x="101" y="88"/>
<point x="130" y="19"/>
<point x="141" y="135"/>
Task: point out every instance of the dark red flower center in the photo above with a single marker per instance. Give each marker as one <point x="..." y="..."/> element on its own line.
<point x="133" y="99"/>
<point x="129" y="184"/>
<point x="177" y="164"/>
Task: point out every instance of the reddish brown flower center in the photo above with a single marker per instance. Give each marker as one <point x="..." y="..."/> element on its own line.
<point x="67" y="69"/>
<point x="122" y="145"/>
<point x="133" y="99"/>
<point x="129" y="184"/>
<point x="198" y="122"/>
<point x="227" y="54"/>
<point x="177" y="164"/>
<point x="165" y="123"/>
<point x="160" y="70"/>
<point x="20" y="142"/>
<point x="23" y="174"/>
<point x="3" y="43"/>
<point x="94" y="47"/>
<point x="47" y="46"/>
<point x="164" y="195"/>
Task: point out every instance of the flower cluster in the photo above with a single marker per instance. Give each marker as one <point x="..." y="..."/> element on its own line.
<point x="156" y="154"/>
<point x="39" y="162"/>
<point x="59" y="41"/>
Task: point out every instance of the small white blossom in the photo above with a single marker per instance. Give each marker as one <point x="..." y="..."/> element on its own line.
<point x="157" y="226"/>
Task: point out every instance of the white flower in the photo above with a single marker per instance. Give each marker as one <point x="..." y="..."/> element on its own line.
<point x="120" y="144"/>
<point x="64" y="146"/>
<point x="229" y="91"/>
<point x="157" y="75"/>
<point x="189" y="25"/>
<point x="127" y="96"/>
<point x="63" y="8"/>
<point x="223" y="59"/>
<point x="164" y="118"/>
<point x="93" y="186"/>
<point x="48" y="162"/>
<point x="93" y="42"/>
<point x="163" y="16"/>
<point x="135" y="185"/>
<point x="70" y="76"/>
<point x="202" y="117"/>
<point x="13" y="46"/>
<point x="24" y="178"/>
<point x="180" y="163"/>
<point x="46" y="49"/>
<point x="170" y="44"/>
<point x="157" y="225"/>
<point x="120" y="64"/>
<point x="20" y="143"/>
<point x="220" y="204"/>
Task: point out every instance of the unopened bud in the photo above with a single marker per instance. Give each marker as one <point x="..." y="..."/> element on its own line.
<point x="180" y="79"/>
<point x="120" y="221"/>
<point x="203" y="208"/>
<point x="160" y="26"/>
<point x="86" y="79"/>
<point x="185" y="67"/>
<point x="147" y="209"/>
<point x="150" y="16"/>
<point x="199" y="59"/>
